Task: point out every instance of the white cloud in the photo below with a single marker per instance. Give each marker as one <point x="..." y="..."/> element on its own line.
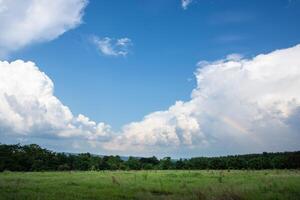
<point x="24" y="22"/>
<point x="28" y="107"/>
<point x="112" y="47"/>
<point x="239" y="104"/>
<point x="234" y="56"/>
<point x="185" y="3"/>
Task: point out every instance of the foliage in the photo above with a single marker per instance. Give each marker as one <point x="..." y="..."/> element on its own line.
<point x="34" y="158"/>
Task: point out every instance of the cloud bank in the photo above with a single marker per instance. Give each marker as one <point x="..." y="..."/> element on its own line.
<point x="32" y="21"/>
<point x="239" y="106"/>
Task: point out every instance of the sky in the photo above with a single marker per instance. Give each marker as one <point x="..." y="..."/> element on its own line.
<point x="166" y="78"/>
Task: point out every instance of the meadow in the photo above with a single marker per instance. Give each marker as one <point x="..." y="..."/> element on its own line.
<point x="161" y="184"/>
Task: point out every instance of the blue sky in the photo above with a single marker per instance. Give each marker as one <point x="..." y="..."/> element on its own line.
<point x="166" y="43"/>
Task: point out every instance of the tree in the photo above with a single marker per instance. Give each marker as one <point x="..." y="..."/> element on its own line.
<point x="34" y="158"/>
<point x="133" y="163"/>
<point x="166" y="163"/>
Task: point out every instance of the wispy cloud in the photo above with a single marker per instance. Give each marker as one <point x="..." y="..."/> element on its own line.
<point x="229" y="38"/>
<point x="112" y="47"/>
<point x="234" y="56"/>
<point x="185" y="3"/>
<point x="230" y="17"/>
<point x="291" y="3"/>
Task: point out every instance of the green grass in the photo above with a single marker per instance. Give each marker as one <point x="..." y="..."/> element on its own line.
<point x="171" y="184"/>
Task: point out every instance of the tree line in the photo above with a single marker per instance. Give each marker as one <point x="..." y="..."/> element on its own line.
<point x="34" y="158"/>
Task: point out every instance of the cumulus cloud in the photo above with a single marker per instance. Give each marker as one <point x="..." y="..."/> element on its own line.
<point x="185" y="3"/>
<point x="245" y="105"/>
<point x="239" y="106"/>
<point x="31" y="21"/>
<point x="28" y="107"/>
<point x="112" y="47"/>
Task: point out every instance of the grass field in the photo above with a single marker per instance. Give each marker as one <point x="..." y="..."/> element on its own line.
<point x="217" y="185"/>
